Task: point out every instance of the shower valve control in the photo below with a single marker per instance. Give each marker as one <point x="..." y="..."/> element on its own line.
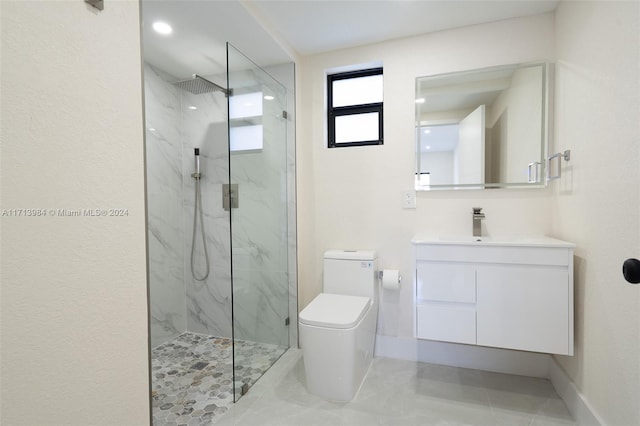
<point x="230" y="196"/>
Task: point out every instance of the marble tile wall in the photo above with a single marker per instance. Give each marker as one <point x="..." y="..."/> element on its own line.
<point x="164" y="198"/>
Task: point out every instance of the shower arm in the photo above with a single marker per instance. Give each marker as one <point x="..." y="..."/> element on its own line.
<point x="218" y="88"/>
<point x="199" y="85"/>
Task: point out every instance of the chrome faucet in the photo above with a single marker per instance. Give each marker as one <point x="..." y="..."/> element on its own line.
<point x="477" y="224"/>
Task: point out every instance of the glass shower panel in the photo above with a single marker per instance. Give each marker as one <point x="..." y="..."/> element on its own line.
<point x="258" y="192"/>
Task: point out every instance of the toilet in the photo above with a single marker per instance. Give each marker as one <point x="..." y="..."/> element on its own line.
<point x="338" y="328"/>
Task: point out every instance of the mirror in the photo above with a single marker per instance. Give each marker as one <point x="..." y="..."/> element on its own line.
<point x="483" y="128"/>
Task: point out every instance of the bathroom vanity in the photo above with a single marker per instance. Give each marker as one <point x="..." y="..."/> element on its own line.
<point x="513" y="293"/>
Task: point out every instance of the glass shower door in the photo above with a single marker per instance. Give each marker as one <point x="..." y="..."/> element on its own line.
<point x="257" y="198"/>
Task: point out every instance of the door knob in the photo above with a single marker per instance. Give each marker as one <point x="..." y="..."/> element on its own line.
<point x="631" y="270"/>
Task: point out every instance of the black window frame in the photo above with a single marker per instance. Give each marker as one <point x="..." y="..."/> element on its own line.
<point x="332" y="112"/>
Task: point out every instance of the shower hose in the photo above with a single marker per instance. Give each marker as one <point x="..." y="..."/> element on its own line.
<point x="197" y="211"/>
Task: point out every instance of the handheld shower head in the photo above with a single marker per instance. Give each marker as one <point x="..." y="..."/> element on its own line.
<point x="196" y="174"/>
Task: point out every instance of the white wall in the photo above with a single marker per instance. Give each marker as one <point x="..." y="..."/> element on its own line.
<point x="596" y="203"/>
<point x="351" y="197"/>
<point x="74" y="305"/>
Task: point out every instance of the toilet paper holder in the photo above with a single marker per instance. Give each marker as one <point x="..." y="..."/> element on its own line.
<point x="390" y="279"/>
<point x="381" y="274"/>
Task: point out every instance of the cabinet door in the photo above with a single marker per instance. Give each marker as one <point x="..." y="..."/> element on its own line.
<point x="446" y="282"/>
<point x="523" y="307"/>
<point x="447" y="322"/>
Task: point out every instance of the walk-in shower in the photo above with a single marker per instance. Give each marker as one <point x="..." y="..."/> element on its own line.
<point x="221" y="273"/>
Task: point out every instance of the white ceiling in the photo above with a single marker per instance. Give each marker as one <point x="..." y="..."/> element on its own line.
<point x="202" y="27"/>
<point x="314" y="26"/>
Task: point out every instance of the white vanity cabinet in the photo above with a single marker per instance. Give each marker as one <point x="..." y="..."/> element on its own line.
<point x="508" y="294"/>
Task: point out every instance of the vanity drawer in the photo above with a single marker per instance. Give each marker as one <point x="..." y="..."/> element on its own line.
<point x="446" y="282"/>
<point x="446" y="322"/>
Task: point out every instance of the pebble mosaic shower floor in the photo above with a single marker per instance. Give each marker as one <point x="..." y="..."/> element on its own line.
<point x="192" y="376"/>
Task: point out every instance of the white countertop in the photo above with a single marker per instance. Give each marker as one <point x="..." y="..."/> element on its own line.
<point x="509" y="241"/>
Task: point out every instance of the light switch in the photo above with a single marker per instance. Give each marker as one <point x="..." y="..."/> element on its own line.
<point x="409" y="199"/>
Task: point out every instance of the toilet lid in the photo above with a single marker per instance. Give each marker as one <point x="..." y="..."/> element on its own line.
<point x="335" y="310"/>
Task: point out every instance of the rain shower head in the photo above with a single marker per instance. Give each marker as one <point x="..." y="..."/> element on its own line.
<point x="199" y="85"/>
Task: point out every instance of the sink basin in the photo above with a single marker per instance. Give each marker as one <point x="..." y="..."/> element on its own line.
<point x="509" y="240"/>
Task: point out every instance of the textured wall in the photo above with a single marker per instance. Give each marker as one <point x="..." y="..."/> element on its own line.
<point x="596" y="204"/>
<point x="74" y="310"/>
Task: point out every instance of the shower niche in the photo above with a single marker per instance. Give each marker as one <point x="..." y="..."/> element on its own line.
<point x="221" y="277"/>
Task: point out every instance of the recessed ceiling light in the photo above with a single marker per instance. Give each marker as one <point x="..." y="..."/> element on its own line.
<point x="268" y="97"/>
<point x="192" y="107"/>
<point x="162" y="28"/>
<point x="420" y="100"/>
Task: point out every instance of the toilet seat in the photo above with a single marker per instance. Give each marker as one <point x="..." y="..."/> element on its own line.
<point x="335" y="311"/>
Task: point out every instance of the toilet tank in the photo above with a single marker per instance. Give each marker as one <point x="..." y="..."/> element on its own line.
<point x="352" y="272"/>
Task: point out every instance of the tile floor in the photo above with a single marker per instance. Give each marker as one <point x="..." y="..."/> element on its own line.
<point x="193" y="378"/>
<point x="398" y="392"/>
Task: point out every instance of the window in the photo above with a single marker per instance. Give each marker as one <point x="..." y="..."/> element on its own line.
<point x="355" y="108"/>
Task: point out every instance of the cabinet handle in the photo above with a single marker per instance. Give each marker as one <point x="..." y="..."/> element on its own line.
<point x="631" y="270"/>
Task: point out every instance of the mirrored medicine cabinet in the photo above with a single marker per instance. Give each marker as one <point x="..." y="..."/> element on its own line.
<point x="484" y="128"/>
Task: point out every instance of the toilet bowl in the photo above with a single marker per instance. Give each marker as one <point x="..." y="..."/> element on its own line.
<point x="338" y="327"/>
